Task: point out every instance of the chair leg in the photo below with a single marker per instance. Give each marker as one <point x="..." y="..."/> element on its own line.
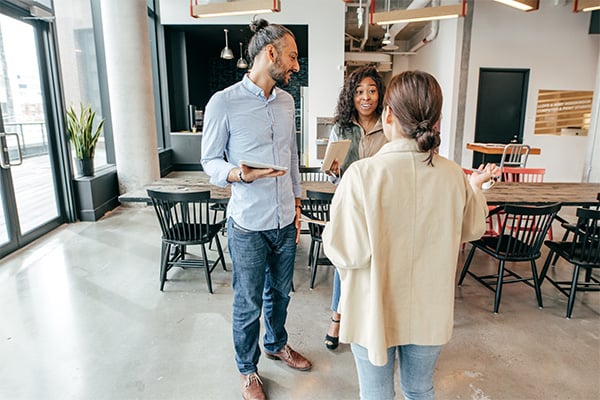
<point x="588" y="276"/>
<point x="564" y="239"/>
<point x="164" y="262"/>
<point x="220" y="251"/>
<point x="466" y="267"/>
<point x="572" y="291"/>
<point x="206" y="269"/>
<point x="315" y="263"/>
<point x="546" y="265"/>
<point x="311" y="252"/>
<point x="536" y="284"/>
<point x="499" y="286"/>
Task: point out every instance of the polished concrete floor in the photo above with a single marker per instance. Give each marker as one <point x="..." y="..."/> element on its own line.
<point x="82" y="317"/>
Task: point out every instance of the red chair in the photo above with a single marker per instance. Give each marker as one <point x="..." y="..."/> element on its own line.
<point x="529" y="175"/>
<point x="518" y="174"/>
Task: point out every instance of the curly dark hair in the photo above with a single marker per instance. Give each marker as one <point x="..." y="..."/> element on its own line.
<point x="345" y="109"/>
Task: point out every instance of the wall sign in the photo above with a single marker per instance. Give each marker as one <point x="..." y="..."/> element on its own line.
<point x="563" y="112"/>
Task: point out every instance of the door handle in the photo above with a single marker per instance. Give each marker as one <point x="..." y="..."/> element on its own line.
<point x="5" y="161"/>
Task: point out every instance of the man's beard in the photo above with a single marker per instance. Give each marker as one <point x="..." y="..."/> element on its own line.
<point x="279" y="74"/>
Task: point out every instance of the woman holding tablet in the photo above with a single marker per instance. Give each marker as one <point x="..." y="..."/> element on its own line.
<point x="358" y="119"/>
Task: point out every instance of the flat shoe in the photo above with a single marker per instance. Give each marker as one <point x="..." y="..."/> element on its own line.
<point x="291" y="357"/>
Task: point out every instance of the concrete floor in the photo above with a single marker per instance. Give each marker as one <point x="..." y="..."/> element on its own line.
<point x="83" y="318"/>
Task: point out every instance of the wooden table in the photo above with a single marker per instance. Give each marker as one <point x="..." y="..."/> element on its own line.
<point x="496" y="148"/>
<point x="199" y="181"/>
<point x="568" y="194"/>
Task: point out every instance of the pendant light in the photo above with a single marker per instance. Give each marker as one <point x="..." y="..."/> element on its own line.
<point x="241" y="62"/>
<point x="388" y="41"/>
<point x="226" y="53"/>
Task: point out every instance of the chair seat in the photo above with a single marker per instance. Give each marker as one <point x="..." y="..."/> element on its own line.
<point x="500" y="247"/>
<point x="570" y="254"/>
<point x="195" y="233"/>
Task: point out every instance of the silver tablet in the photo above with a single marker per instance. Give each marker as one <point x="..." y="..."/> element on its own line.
<point x="256" y="164"/>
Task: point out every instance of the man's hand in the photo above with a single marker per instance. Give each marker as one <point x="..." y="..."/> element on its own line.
<point x="252" y="174"/>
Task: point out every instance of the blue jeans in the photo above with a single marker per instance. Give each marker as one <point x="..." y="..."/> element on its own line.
<point x="335" y="295"/>
<point x="263" y="268"/>
<point x="415" y="367"/>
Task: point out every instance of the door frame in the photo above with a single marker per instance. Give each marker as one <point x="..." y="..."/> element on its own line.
<point x="523" y="107"/>
<point x="58" y="147"/>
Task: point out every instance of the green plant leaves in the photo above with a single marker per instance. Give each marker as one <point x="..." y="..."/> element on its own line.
<point x="80" y="127"/>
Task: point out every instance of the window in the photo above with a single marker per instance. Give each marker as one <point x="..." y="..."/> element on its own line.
<point x="77" y="48"/>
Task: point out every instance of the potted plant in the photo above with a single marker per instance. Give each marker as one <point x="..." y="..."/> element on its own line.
<point x="83" y="136"/>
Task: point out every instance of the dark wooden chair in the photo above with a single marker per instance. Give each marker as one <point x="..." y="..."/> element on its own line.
<point x="568" y="227"/>
<point x="582" y="251"/>
<point x="185" y="221"/>
<point x="316" y="208"/>
<point x="522" y="234"/>
<point x="219" y="210"/>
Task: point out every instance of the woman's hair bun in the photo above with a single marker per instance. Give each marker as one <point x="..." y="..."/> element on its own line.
<point x="422" y="127"/>
<point x="258" y="24"/>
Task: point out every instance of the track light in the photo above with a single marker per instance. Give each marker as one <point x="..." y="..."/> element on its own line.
<point x="586" y="5"/>
<point x="523" y="5"/>
<point x="239" y="7"/>
<point x="420" y="14"/>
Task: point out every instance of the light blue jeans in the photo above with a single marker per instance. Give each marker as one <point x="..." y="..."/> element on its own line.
<point x="335" y="295"/>
<point x="263" y="268"/>
<point x="415" y="368"/>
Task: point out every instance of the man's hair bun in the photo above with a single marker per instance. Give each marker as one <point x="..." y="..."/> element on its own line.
<point x="258" y="24"/>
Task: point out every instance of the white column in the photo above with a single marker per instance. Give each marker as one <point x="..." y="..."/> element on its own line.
<point x="129" y="75"/>
<point x="591" y="170"/>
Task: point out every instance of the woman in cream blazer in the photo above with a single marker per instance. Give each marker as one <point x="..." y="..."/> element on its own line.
<point x="397" y="222"/>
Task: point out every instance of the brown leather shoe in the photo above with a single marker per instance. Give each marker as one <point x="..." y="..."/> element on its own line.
<point x="252" y="387"/>
<point x="291" y="358"/>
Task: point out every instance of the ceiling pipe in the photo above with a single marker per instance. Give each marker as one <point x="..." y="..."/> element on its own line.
<point x="396" y="28"/>
<point x="366" y="23"/>
<point x="433" y="32"/>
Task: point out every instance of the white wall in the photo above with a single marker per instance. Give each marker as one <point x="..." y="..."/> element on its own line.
<point x="554" y="44"/>
<point x="441" y="58"/>
<point x="325" y="20"/>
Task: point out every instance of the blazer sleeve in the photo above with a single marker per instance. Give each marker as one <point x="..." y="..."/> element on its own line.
<point x="475" y="213"/>
<point x="345" y="238"/>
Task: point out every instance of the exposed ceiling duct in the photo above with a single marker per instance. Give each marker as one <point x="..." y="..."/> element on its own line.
<point x="371" y="38"/>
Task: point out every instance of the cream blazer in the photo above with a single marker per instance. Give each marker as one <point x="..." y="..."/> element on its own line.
<point x="396" y="227"/>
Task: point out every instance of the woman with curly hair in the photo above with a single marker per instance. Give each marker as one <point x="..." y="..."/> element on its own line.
<point x="358" y="119"/>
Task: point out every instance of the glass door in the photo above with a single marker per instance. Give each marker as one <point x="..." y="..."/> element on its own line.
<point x="28" y="184"/>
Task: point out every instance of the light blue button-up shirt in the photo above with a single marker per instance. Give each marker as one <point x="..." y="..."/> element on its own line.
<point x="243" y="124"/>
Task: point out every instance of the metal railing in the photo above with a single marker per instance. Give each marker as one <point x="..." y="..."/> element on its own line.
<point x="32" y="136"/>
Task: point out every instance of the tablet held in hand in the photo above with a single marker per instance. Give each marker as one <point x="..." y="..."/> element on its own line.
<point x="261" y="165"/>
